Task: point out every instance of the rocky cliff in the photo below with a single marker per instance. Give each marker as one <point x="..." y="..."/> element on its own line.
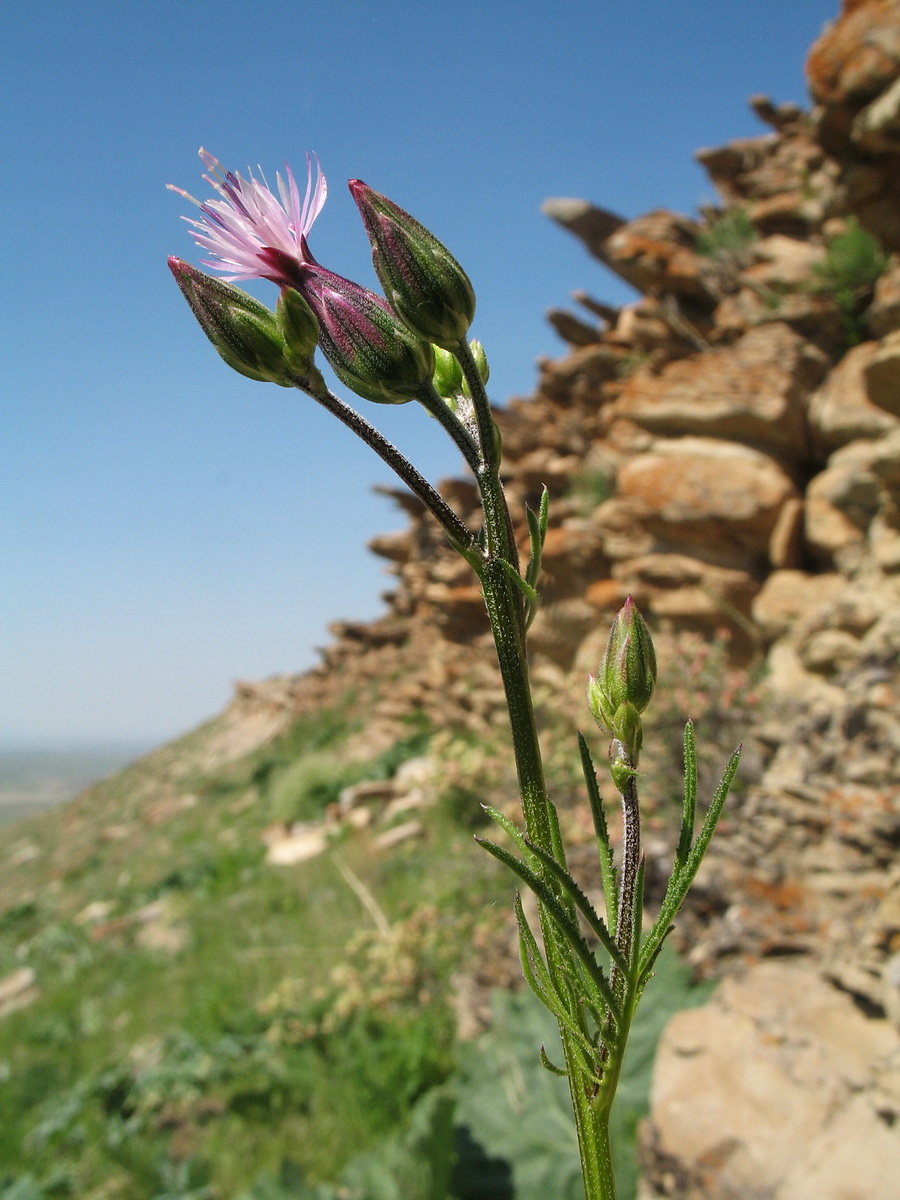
<point x="727" y="450"/>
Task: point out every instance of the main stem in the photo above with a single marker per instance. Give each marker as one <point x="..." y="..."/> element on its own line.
<point x="504" y="607"/>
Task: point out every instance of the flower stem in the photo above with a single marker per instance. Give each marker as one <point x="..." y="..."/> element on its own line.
<point x="438" y="408"/>
<point x="456" y="530"/>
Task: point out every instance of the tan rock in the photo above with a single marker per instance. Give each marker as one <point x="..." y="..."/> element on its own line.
<point x="654" y="253"/>
<point x="788" y="595"/>
<point x="715" y="498"/>
<point x="858" y="56"/>
<point x="841" y="411"/>
<point x="786" y="545"/>
<point x="876" y="129"/>
<point x="606" y="595"/>
<point x="882" y="375"/>
<point x="686" y="589"/>
<point x="784" y="262"/>
<point x="857" y="1157"/>
<point x="749" y="1089"/>
<point x="753" y="391"/>
<point x="885" y="461"/>
<point x="883" y="315"/>
<point x="884" y="541"/>
<point x="559" y="629"/>
<point x="840" y="504"/>
<point x="830" y="650"/>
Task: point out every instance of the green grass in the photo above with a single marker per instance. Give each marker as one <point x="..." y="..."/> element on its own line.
<point x="280" y="1045"/>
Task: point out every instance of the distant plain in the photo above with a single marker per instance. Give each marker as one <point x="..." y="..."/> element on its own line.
<point x="36" y="778"/>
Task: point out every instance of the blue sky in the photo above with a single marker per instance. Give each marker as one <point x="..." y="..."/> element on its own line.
<point x="167" y="526"/>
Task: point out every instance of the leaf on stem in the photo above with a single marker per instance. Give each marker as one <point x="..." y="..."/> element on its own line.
<point x="581" y="902"/>
<point x="509" y="827"/>
<point x="689" y="809"/>
<point x="531" y="597"/>
<point x="537" y="530"/>
<point x="538" y="978"/>
<point x="548" y="1065"/>
<point x="608" y="873"/>
<point x="595" y="977"/>
<point x="683" y="875"/>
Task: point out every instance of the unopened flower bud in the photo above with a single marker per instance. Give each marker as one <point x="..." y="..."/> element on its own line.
<point x="298" y="327"/>
<point x="243" y="331"/>
<point x="624" y="683"/>
<point x="447" y="378"/>
<point x="422" y="281"/>
<point x="369" y="349"/>
<point x="481" y="362"/>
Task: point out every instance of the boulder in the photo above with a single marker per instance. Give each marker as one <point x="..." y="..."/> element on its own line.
<point x="841" y="411"/>
<point x="754" y="1093"/>
<point x="686" y="590"/>
<point x="881" y="373"/>
<point x="788" y="595"/>
<point x="839" y="506"/>
<point x="716" y="500"/>
<point x="753" y="391"/>
<point x="655" y="253"/>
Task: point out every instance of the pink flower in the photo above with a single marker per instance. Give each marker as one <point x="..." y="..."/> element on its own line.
<point x="251" y="232"/>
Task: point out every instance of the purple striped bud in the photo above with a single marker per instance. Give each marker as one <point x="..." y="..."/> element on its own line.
<point x="368" y="348"/>
<point x="422" y="281"/>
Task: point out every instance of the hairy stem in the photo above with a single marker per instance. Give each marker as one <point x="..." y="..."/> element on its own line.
<point x="456" y="530"/>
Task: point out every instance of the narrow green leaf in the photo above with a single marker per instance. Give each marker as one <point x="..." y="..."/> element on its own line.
<point x="689" y="808"/>
<point x="514" y="577"/>
<point x="683" y="877"/>
<point x="544" y="513"/>
<point x="548" y="1065"/>
<point x="534" y="562"/>
<point x="509" y="827"/>
<point x="537" y="976"/>
<point x="712" y="816"/>
<point x="608" y="874"/>
<point x="534" y="968"/>
<point x="647" y="970"/>
<point x="581" y="902"/>
<point x="563" y="922"/>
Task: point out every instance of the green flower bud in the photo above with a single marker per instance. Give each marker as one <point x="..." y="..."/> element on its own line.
<point x="621" y="762"/>
<point x="423" y="282"/>
<point x="624" y="684"/>
<point x="243" y="331"/>
<point x="299" y="328"/>
<point x="369" y="348"/>
<point x="447" y="378"/>
<point x="481" y="362"/>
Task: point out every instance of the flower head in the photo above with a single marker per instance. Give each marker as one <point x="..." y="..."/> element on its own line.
<point x="250" y="232"/>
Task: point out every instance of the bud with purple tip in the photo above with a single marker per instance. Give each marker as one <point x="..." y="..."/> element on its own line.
<point x="624" y="684"/>
<point x="243" y="331"/>
<point x="422" y="281"/>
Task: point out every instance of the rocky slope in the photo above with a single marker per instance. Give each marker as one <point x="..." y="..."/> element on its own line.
<point x="727" y="450"/>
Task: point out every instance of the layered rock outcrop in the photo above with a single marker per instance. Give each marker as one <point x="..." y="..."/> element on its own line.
<point x="726" y="448"/>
